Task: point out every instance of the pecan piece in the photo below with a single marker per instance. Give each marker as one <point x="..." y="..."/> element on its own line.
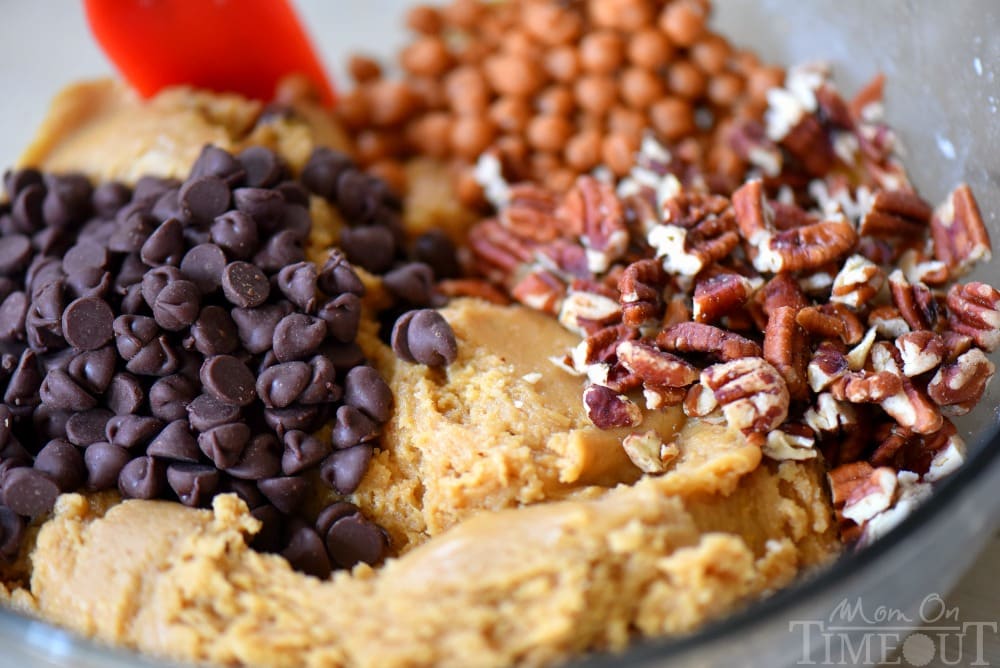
<point x="864" y="496"/>
<point x="541" y="290"/>
<point x="896" y="213"/>
<point x="751" y="392"/>
<point x="910" y="407"/>
<point x="960" y="236"/>
<point x="857" y="282"/>
<point x="974" y="310"/>
<point x="782" y="290"/>
<point x="498" y="249"/>
<point x="608" y="409"/>
<point x="648" y="451"/>
<point x="831" y="321"/>
<point x="719" y="295"/>
<point x="687" y="251"/>
<point x="933" y="456"/>
<point x="472" y="287"/>
<point x="699" y="401"/>
<point x="792" y="441"/>
<point x="828" y="364"/>
<point x="641" y="287"/>
<point x="920" y="351"/>
<point x="593" y="206"/>
<point x="695" y="337"/>
<point x="958" y="387"/>
<point x="829" y="415"/>
<point x="676" y="311"/>
<point x="888" y="322"/>
<point x="915" y="302"/>
<point x="787" y="349"/>
<point x="860" y="387"/>
<point x="531" y="213"/>
<point x="581" y="311"/>
<point x="809" y="142"/>
<point x="655" y="367"/>
<point x="602" y="345"/>
<point x="919" y="269"/>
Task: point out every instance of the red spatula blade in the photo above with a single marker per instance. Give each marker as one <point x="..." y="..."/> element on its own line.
<point x="242" y="46"/>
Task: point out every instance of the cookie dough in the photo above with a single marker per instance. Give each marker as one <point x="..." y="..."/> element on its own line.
<point x="524" y="534"/>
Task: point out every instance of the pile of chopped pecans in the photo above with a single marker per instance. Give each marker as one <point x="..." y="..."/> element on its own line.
<point x="816" y="309"/>
<point x="555" y="89"/>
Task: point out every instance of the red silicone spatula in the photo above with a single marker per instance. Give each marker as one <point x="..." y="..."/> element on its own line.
<point x="243" y="46"/>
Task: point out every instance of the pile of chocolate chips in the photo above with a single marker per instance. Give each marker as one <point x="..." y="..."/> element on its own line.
<point x="170" y="340"/>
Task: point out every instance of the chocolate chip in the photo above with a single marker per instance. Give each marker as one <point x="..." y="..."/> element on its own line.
<point x="256" y="325"/>
<point x="29" y="492"/>
<point x="83" y="255"/>
<point x="354" y="539"/>
<point x="244" y="489"/>
<point x="437" y="250"/>
<point x="165" y="246"/>
<point x="322" y="387"/>
<point x="266" y="207"/>
<point x="282" y="249"/>
<point x="306" y="553"/>
<point x="157" y="358"/>
<point x="357" y="195"/>
<point x="175" y="442"/>
<point x="302" y="450"/>
<point x="413" y="283"/>
<point x="87" y="427"/>
<point x="296" y="219"/>
<point x="228" y="380"/>
<point x="269" y="538"/>
<point x="132" y="431"/>
<point x="194" y="484"/>
<point x="365" y="389"/>
<point x="60" y="392"/>
<point x="344" y="469"/>
<point x="149" y="188"/>
<point x="203" y="198"/>
<point x="11" y="533"/>
<point x="156" y="280"/>
<point x="132" y="232"/>
<point x="16" y="180"/>
<point x="124" y="395"/>
<point x="372" y="248"/>
<point x="342" y="315"/>
<point x="13" y="313"/>
<point x="236" y="233"/>
<point x="108" y="197"/>
<point x="132" y="333"/>
<point x="168" y="206"/>
<point x="285" y="493"/>
<point x="203" y="266"/>
<point x="263" y="166"/>
<point x="63" y="464"/>
<point x="43" y="324"/>
<point x="352" y="427"/>
<point x="206" y="412"/>
<point x="296" y="416"/>
<point x="87" y="323"/>
<point x="142" y="478"/>
<point x="245" y="285"/>
<point x="104" y="462"/>
<point x="260" y="459"/>
<point x="224" y="444"/>
<point x="344" y="356"/>
<point x="177" y="305"/>
<point x="337" y="277"/>
<point x="15" y="253"/>
<point x="280" y="385"/>
<point x="214" y="161"/>
<point x="67" y="199"/>
<point x="170" y="396"/>
<point x="50" y="240"/>
<point x="332" y="513"/>
<point x="424" y="337"/>
<point x="131" y="272"/>
<point x="298" y="283"/>
<point x="293" y="192"/>
<point x="322" y="170"/>
<point x="27" y="210"/>
<point x="88" y="283"/>
<point x="298" y="335"/>
<point x="93" y="369"/>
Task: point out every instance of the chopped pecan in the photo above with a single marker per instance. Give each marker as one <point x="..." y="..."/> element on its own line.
<point x="498" y="249"/>
<point x="857" y="283"/>
<point x="860" y="387"/>
<point x="960" y="236"/>
<point x="472" y="287"/>
<point x="593" y="206"/>
<point x="787" y="349"/>
<point x="831" y="321"/>
<point x="866" y="496"/>
<point x="828" y="364"/>
<point x="919" y="269"/>
<point x="530" y="213"/>
<point x="754" y="214"/>
<point x="588" y="311"/>
<point x="915" y="302"/>
<point x="931" y="455"/>
<point x="792" y="441"/>
<point x="857" y="356"/>
<point x="687" y="251"/>
<point x="809" y="142"/>
<point x="896" y="213"/>
<point x="829" y="415"/>
<point x="656" y="368"/>
<point x="608" y="409"/>
<point x="648" y="451"/>
<point x="751" y="392"/>
<point x="699" y="401"/>
<point x="719" y="295"/>
<point x="541" y="290"/>
<point x="910" y="407"/>
<point x="661" y="397"/>
<point x="695" y="337"/>
<point x="565" y="257"/>
<point x="618" y="378"/>
<point x="688" y="209"/>
<point x="920" y="351"/>
<point x="958" y="387"/>
<point x="955" y="344"/>
<point x="641" y="287"/>
<point x="974" y="310"/>
<point x="602" y="345"/>
<point x="867" y="102"/>
<point x="888" y="321"/>
<point x="782" y="290"/>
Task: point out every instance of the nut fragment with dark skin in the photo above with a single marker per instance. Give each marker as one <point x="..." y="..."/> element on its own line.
<point x="896" y="213"/>
<point x="960" y="236"/>
<point x="693" y="337"/>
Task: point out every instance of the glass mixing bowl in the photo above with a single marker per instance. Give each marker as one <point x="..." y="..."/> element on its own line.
<point x="942" y="61"/>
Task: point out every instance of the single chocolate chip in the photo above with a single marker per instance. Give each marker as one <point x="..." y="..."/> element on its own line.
<point x="51" y="240"/>
<point x="365" y="389"/>
<point x="87" y="427"/>
<point x="412" y="283"/>
<point x="245" y="285"/>
<point x="266" y="207"/>
<point x="27" y="210"/>
<point x="16" y="180"/>
<point x="132" y="271"/>
<point x="256" y="325"/>
<point x="203" y="198"/>
<point x="29" y="492"/>
<point x="344" y="469"/>
<point x="132" y="431"/>
<point x="132" y="232"/>
<point x="194" y="484"/>
<point x="157" y="358"/>
<point x="332" y="513"/>
<point x="156" y="279"/>
<point x="165" y="246"/>
<point x="132" y="333"/>
<point x="244" y="489"/>
<point x="298" y="336"/>
<point x="352" y="427"/>
<point x="354" y="539"/>
<point x="296" y="416"/>
<point x="260" y="459"/>
<point x="88" y="283"/>
<point x="203" y="266"/>
<point x="282" y="249"/>
<point x="42" y="271"/>
<point x="11" y="533"/>
<point x="60" y="392"/>
<point x="110" y="196"/>
<point x="322" y="170"/>
<point x="438" y="251"/>
<point x="149" y="188"/>
<point x="306" y="552"/>
<point x="124" y="395"/>
<point x="104" y="462"/>
<point x="206" y="412"/>
<point x="93" y="369"/>
<point x="177" y="305"/>
<point x="269" y="538"/>
<point x="372" y="248"/>
<point x="22" y="388"/>
<point x="342" y="315"/>
<point x="15" y="253"/>
<point x="87" y="323"/>
<point x="224" y="444"/>
<point x="175" y="442"/>
<point x="169" y="397"/>
<point x="296" y="220"/>
<point x="13" y="314"/>
<point x="298" y="283"/>
<point x="142" y="478"/>
<point x="67" y="199"/>
<point x="285" y="493"/>
<point x="357" y="196"/>
<point x="63" y="464"/>
<point x="344" y="356"/>
<point x="263" y="166"/>
<point x="337" y="277"/>
<point x="214" y="332"/>
<point x="424" y="337"/>
<point x="302" y="450"/>
<point x="236" y="233"/>
<point x="280" y="385"/>
<point x="293" y="192"/>
<point x="168" y="206"/>
<point x="214" y="161"/>
<point x="228" y="380"/>
<point x="43" y="324"/>
<point x="132" y="302"/>
<point x="322" y="387"/>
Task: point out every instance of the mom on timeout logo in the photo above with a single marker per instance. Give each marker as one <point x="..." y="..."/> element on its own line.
<point x="855" y="634"/>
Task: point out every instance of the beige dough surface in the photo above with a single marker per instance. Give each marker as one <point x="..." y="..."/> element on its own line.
<point x="524" y="535"/>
